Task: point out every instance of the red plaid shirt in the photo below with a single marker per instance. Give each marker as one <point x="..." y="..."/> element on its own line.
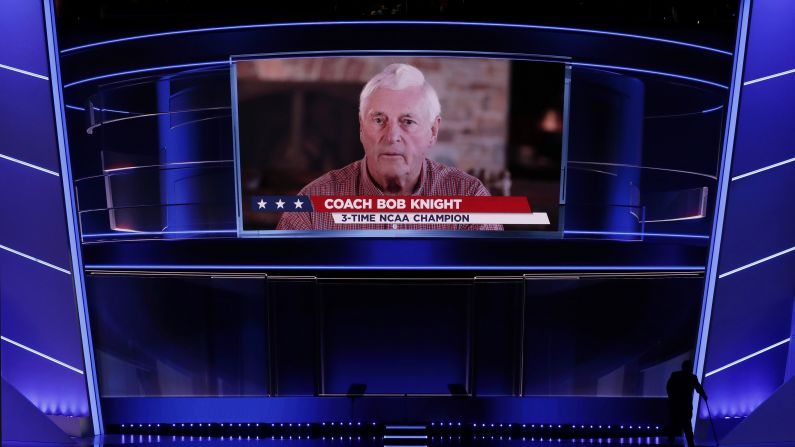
<point x="436" y="179"/>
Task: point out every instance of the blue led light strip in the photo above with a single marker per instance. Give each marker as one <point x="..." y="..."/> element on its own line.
<point x="24" y="72"/>
<point x="783" y="73"/>
<point x="629" y="233"/>
<point x="712" y="109"/>
<point x="399" y="22"/>
<point x="71" y="218"/>
<point x="146" y="70"/>
<point x="40" y="354"/>
<point x="757" y="171"/>
<point x="653" y="168"/>
<point x="755" y="263"/>
<point x="710" y="278"/>
<point x="45" y="263"/>
<point x="30" y="165"/>
<point x="749" y="356"/>
<point x="157" y="233"/>
<point x="633" y="268"/>
<point x="452" y="54"/>
<point x="411" y="52"/>
<point x="652" y="72"/>
<point x="405" y="437"/>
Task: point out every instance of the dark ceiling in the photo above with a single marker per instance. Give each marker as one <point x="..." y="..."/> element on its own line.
<point x="708" y="22"/>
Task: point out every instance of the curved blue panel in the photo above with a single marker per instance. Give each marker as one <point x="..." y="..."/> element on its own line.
<point x="507" y="40"/>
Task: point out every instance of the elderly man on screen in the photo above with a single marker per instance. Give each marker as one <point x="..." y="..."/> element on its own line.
<point x="399" y="117"/>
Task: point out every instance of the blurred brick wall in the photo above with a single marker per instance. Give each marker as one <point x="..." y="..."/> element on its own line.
<point x="474" y="94"/>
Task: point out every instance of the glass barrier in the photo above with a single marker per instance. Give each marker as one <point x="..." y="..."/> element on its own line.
<point x="179" y="336"/>
<point x="618" y="335"/>
<point x="608" y="336"/>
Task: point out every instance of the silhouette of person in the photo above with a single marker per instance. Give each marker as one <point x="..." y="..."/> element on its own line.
<point x="680" y="389"/>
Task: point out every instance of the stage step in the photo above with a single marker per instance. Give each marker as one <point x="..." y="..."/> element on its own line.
<point x="399" y="435"/>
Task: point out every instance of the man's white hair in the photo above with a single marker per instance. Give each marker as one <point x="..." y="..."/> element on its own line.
<point x="399" y="77"/>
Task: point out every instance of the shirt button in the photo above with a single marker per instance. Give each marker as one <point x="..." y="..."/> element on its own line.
<point x="394" y="226"/>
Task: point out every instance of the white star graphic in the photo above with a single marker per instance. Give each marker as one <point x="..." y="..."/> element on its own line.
<point x="298" y="203"/>
<point x="261" y="204"/>
<point x="279" y="204"/>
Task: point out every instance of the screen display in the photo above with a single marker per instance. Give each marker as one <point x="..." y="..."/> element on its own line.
<point x="399" y="144"/>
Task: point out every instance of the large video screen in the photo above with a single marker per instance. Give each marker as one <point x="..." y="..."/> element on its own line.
<point x="399" y="144"/>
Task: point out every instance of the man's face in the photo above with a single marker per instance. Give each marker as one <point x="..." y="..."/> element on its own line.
<point x="396" y="133"/>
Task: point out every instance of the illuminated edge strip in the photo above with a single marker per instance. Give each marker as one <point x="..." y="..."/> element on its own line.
<point x="30" y="165"/>
<point x="412" y="52"/>
<point x="629" y="233"/>
<point x="452" y="54"/>
<point x="126" y="233"/>
<point x="405" y="427"/>
<point x="45" y="263"/>
<point x="178" y="163"/>
<point x="116" y="267"/>
<point x="712" y="109"/>
<point x="236" y="161"/>
<point x="747" y="266"/>
<point x="291" y="54"/>
<point x="41" y="354"/>
<point x="653" y="72"/>
<point x="405" y="436"/>
<point x="83" y="109"/>
<point x="757" y="171"/>
<point x="675" y="219"/>
<point x="783" y="73"/>
<point x="749" y="356"/>
<point x="72" y="222"/>
<point x="625" y="165"/>
<point x="146" y="70"/>
<point x="397" y="22"/>
<point x="91" y="128"/>
<point x="24" y="72"/>
<point x="710" y="277"/>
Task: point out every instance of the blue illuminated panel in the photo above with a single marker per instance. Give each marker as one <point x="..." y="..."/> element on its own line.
<point x="771" y="40"/>
<point x="760" y="214"/>
<point x="33" y="309"/>
<point x="22" y="34"/>
<point x="35" y="217"/>
<point x="751" y="319"/>
<point x="767" y="108"/>
<point x="41" y="339"/>
<point x="25" y="100"/>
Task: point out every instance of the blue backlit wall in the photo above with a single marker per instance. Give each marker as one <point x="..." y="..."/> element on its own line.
<point x="42" y="349"/>
<point x="752" y="286"/>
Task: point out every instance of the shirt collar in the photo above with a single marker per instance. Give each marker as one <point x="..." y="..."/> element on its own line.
<point x="370" y="188"/>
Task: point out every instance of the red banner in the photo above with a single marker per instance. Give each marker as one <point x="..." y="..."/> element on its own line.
<point x="420" y="204"/>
